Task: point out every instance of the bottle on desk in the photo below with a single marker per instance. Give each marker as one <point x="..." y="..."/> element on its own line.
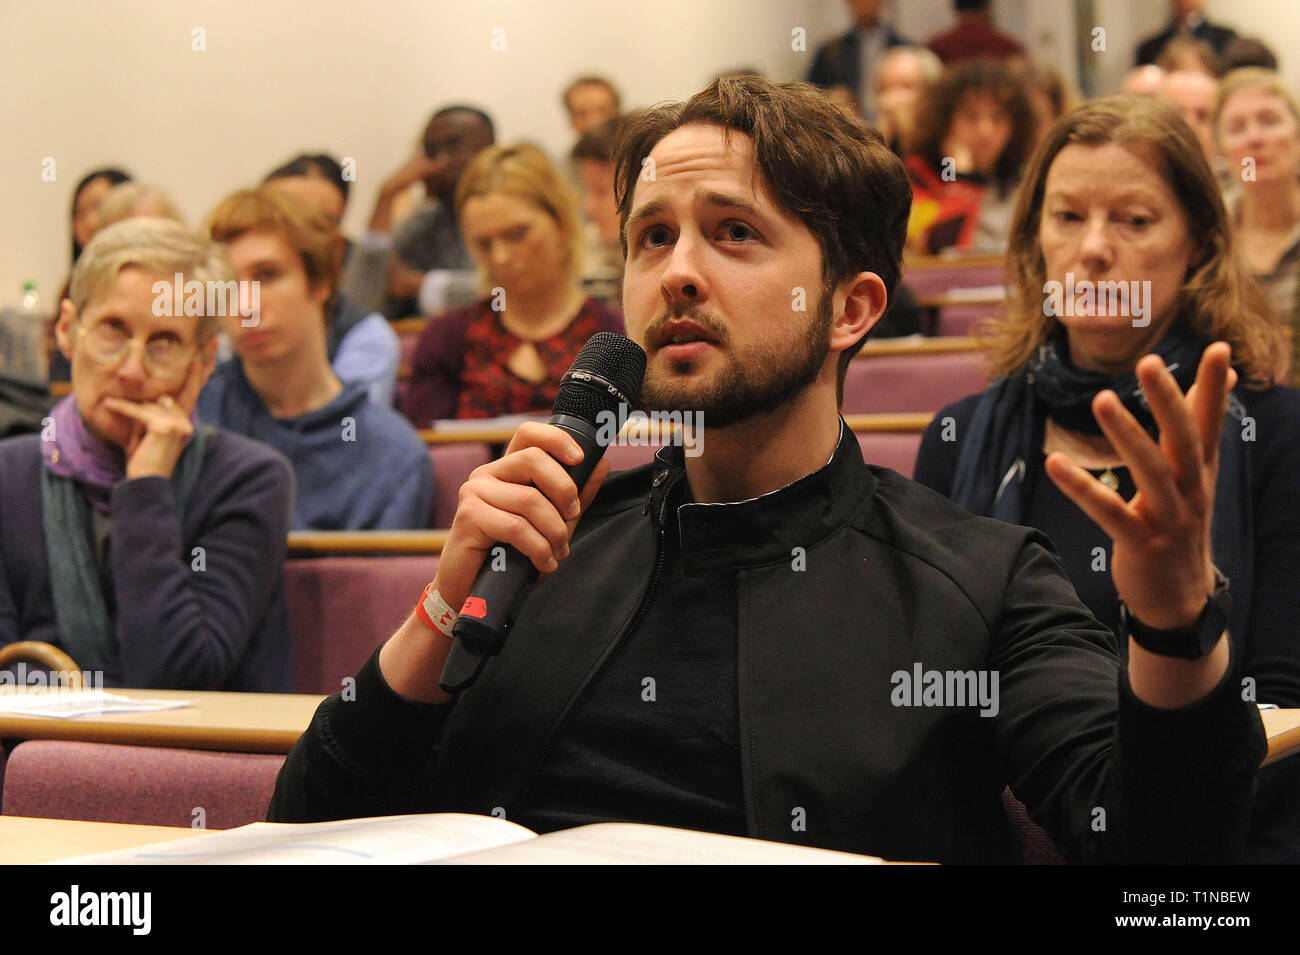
<point x="24" y="355"/>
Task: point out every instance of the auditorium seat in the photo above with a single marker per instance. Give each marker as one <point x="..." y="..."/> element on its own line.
<point x="891" y="449"/>
<point x="144" y="785"/>
<point x="890" y="383"/>
<point x="945" y="277"/>
<point x="961" y="318"/>
<point x="452" y="464"/>
<point x="342" y="608"/>
<point x="1032" y="845"/>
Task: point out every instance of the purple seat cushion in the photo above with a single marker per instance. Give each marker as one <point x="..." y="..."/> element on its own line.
<point x="342" y="608"/>
<point x="143" y="785"/>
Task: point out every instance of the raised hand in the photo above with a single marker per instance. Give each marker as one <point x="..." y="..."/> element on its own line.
<point x="1161" y="563"/>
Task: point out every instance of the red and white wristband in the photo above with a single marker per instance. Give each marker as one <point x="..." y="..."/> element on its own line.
<point x="435" y="613"/>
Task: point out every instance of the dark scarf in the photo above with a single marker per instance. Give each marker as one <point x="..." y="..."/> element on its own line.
<point x="80" y="470"/>
<point x="991" y="468"/>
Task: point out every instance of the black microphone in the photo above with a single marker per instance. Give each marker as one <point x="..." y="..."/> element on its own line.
<point x="606" y="374"/>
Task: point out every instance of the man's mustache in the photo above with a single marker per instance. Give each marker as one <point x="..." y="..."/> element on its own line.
<point x="710" y="325"/>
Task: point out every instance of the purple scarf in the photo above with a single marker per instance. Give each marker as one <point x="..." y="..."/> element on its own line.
<point x="71" y="451"/>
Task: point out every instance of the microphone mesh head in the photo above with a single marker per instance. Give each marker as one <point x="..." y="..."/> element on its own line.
<point x="615" y="358"/>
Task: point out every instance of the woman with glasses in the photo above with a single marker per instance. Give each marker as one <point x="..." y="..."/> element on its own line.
<point x="147" y="548"/>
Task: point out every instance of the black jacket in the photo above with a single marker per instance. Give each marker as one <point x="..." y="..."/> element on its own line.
<point x="845" y="578"/>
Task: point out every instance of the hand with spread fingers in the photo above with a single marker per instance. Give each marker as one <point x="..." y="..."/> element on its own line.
<point x="162" y="427"/>
<point x="1161" y="564"/>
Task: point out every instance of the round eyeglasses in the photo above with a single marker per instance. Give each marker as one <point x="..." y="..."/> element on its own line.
<point x="164" y="358"/>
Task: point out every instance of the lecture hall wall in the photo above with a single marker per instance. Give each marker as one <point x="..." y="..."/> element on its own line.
<point x="90" y="83"/>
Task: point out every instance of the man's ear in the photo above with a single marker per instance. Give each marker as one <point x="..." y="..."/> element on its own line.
<point x="864" y="299"/>
<point x="63" y="327"/>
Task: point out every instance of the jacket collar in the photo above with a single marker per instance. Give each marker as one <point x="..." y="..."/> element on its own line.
<point x="720" y="538"/>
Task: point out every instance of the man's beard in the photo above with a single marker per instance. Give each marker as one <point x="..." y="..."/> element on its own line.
<point x="748" y="386"/>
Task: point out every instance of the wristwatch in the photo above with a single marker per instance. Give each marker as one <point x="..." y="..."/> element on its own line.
<point x="1188" y="643"/>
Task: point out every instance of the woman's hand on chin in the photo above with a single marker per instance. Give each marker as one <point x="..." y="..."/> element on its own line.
<point x="161" y="429"/>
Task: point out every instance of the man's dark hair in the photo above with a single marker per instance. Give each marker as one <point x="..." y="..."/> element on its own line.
<point x="970" y="6"/>
<point x="483" y="117"/>
<point x="1247" y="51"/>
<point x="597" y="143"/>
<point x="830" y="169"/>
<point x="320" y="165"/>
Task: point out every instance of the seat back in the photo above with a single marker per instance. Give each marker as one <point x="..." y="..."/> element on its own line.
<point x="891" y="449"/>
<point x="342" y="608"/>
<point x="452" y="464"/>
<point x="143" y="785"/>
<point x="1031" y="843"/>
<point x="892" y="383"/>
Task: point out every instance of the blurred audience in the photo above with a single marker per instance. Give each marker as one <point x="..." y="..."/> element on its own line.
<point x="146" y="547"/>
<point x="899" y="80"/>
<point x="1185" y="20"/>
<point x="974" y="36"/>
<point x="425" y="265"/>
<point x="590" y="101"/>
<point x="1144" y="80"/>
<point x="593" y="161"/>
<point x="131" y="199"/>
<point x="1050" y="96"/>
<point x="845" y="64"/>
<point x="86" y="197"/>
<point x="361" y="344"/>
<point x="974" y="133"/>
<point x="1184" y="53"/>
<point x="506" y="353"/>
<point x="1193" y="91"/>
<point x="1257" y="122"/>
<point x="1247" y="51"/>
<point x="359" y="465"/>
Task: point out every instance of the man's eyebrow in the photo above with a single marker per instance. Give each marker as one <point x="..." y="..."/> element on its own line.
<point x="715" y="200"/>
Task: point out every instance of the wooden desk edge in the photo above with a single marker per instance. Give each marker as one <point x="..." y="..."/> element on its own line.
<point x="226" y="740"/>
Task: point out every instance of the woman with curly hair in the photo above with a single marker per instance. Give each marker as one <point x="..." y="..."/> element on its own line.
<point x="974" y="132"/>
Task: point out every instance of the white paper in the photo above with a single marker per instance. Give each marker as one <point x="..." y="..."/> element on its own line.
<point x="66" y="704"/>
<point x="381" y="840"/>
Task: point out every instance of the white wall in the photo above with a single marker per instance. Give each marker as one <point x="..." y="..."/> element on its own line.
<point x="97" y="82"/>
<point x="94" y="83"/>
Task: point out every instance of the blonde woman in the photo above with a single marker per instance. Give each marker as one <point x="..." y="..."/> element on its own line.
<point x="1257" y="125"/>
<point x="506" y="353"/>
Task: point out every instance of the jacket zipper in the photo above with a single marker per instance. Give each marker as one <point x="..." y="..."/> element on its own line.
<point x="609" y="654"/>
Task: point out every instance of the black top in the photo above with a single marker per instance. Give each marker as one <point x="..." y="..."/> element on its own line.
<point x="657" y="738"/>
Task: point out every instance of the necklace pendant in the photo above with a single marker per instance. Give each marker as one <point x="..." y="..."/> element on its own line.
<point x="1109" y="480"/>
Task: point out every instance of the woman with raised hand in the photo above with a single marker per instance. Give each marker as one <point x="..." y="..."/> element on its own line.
<point x="1121" y="249"/>
<point x="506" y="353"/>
<point x="147" y="548"/>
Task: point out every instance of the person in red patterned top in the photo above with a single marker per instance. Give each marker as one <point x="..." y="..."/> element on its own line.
<point x="506" y="353"/>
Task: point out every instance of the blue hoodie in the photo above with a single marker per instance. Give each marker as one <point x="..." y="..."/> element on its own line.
<point x="359" y="466"/>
